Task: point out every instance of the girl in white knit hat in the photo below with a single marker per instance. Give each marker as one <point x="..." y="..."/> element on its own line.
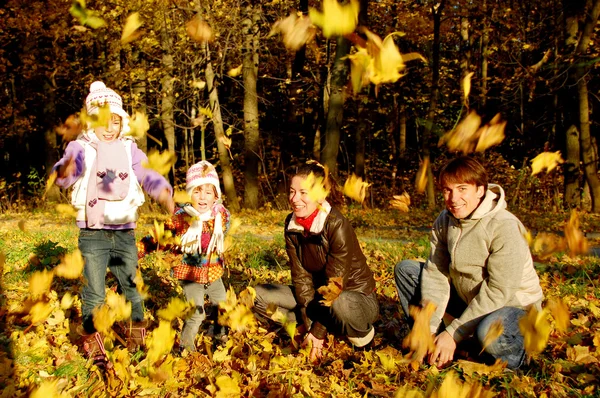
<point x="201" y="226"/>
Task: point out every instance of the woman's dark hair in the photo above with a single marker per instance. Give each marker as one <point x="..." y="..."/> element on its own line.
<point x="335" y="197"/>
<point x="464" y="169"/>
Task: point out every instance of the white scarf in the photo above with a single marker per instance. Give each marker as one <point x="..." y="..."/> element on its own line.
<point x="191" y="241"/>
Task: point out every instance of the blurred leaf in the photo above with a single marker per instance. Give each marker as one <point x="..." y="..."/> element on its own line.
<point x="39" y="284"/>
<point x="545" y="160"/>
<point x="118" y="304"/>
<point x="535" y="329"/>
<point x="296" y="30"/>
<point x="22" y="224"/>
<point x="561" y="314"/>
<point x="39" y="312"/>
<point x="576" y="241"/>
<point x="228" y="387"/>
<point x="336" y="19"/>
<point x="421" y="180"/>
<point x="419" y="340"/>
<point x="496" y="329"/>
<point x="71" y="266"/>
<point x="50" y="182"/>
<point x="316" y="187"/>
<point x="234" y="72"/>
<point x="355" y="188"/>
<point x="70" y="129"/>
<point x="130" y="30"/>
<point x="469" y="136"/>
<point x="177" y="308"/>
<point x="199" y="30"/>
<point x="161" y="162"/>
<point x="67" y="301"/>
<point x="138" y="125"/>
<point x="85" y="16"/>
<point x="160" y="342"/>
<point x="332" y="290"/>
<point x="401" y="202"/>
<point x="466" y="86"/>
<point x="67" y="210"/>
<point x="181" y="197"/>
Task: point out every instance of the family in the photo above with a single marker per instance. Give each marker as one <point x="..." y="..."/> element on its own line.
<point x="479" y="271"/>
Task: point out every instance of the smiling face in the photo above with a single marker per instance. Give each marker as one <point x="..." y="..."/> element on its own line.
<point x="204" y="197"/>
<point x="302" y="204"/>
<point x="462" y="198"/>
<point x="110" y="133"/>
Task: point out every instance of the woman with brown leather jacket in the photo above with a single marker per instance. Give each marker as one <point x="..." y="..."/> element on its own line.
<point x="321" y="245"/>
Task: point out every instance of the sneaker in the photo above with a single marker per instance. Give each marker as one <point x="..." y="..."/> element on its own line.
<point x="363" y="341"/>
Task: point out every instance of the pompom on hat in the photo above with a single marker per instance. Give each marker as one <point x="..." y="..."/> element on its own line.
<point x="202" y="173"/>
<point x="100" y="95"/>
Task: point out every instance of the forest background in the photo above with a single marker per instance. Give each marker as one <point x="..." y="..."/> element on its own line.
<point x="215" y="80"/>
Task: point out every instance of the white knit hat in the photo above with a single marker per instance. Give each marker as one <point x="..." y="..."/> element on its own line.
<point x="100" y="95"/>
<point x="202" y="173"/>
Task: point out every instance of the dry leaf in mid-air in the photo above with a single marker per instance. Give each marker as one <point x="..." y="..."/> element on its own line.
<point x="576" y="241"/>
<point x="496" y="329"/>
<point x="316" y="187"/>
<point x="22" y="224"/>
<point x="160" y="162"/>
<point x="70" y="129"/>
<point x="469" y="136"/>
<point x="100" y="119"/>
<point x="199" y="30"/>
<point x="535" y="329"/>
<point x="361" y="69"/>
<point x="332" y="290"/>
<point x="401" y="202"/>
<point x="67" y="301"/>
<point x="490" y="134"/>
<point x="65" y="209"/>
<point x="50" y="182"/>
<point x="138" y="125"/>
<point x="85" y="16"/>
<point x="545" y="160"/>
<point x="421" y="180"/>
<point x="420" y="340"/>
<point x="545" y="244"/>
<point x="130" y="30"/>
<point x="39" y="312"/>
<point x="181" y="197"/>
<point x="160" y="342"/>
<point x="235" y="72"/>
<point x="39" y="284"/>
<point x="177" y="308"/>
<point x="356" y="188"/>
<point x="296" y="30"/>
<point x="71" y="266"/>
<point x="336" y="19"/>
<point x="466" y="86"/>
<point x="118" y="304"/>
<point x="453" y="387"/>
<point x="561" y="314"/>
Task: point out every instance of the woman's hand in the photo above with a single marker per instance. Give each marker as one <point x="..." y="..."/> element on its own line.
<point x="316" y="351"/>
<point x="444" y="350"/>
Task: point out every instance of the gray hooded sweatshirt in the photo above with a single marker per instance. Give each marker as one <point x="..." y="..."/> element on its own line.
<point x="486" y="258"/>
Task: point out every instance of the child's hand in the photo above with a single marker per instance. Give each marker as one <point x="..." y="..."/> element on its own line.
<point x="166" y="201"/>
<point x="68" y="168"/>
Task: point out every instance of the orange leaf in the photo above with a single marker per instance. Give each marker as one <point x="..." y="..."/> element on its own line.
<point x="545" y="160"/>
<point x="420" y="340"/>
<point x="355" y="188"/>
<point x="421" y="182"/>
<point x="332" y="290"/>
<point x="576" y="241"/>
<point x="297" y="30"/>
<point x="401" y="202"/>
<point x="199" y="30"/>
<point x="496" y="329"/>
<point x="560" y="313"/>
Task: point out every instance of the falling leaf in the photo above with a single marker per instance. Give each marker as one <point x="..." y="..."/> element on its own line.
<point x="67" y="301"/>
<point x="361" y="69"/>
<point x="545" y="244"/>
<point x="234" y="72"/>
<point x="332" y="290"/>
<point x="177" y="308"/>
<point x="39" y="312"/>
<point x="71" y="266"/>
<point x="387" y="60"/>
<point x="336" y="19"/>
<point x="99" y="119"/>
<point x="22" y="225"/>
<point x="199" y="30"/>
<point x="181" y="197"/>
<point x="545" y="160"/>
<point x="419" y="340"/>
<point x="453" y="387"/>
<point x="491" y="134"/>
<point x="466" y="86"/>
<point x="160" y="342"/>
<point x="119" y="306"/>
<point x="576" y="241"/>
<point x="138" y="125"/>
<point x="421" y="180"/>
<point x="163" y="237"/>
<point x="355" y="188"/>
<point x="238" y="316"/>
<point x="161" y="162"/>
<point x="535" y="329"/>
<point x="50" y="182"/>
<point x="316" y="187"/>
<point x="401" y="202"/>
<point x="387" y="361"/>
<point x="70" y="129"/>
<point x="496" y="329"/>
<point x="560" y="313"/>
<point x="85" y="16"/>
<point x="469" y="136"/>
<point x="39" y="284"/>
<point x="297" y="30"/>
<point x="199" y="84"/>
<point x="67" y="210"/>
<point x="103" y="318"/>
<point x="130" y="31"/>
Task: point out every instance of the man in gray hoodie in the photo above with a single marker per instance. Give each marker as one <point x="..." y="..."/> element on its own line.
<point x="479" y="270"/>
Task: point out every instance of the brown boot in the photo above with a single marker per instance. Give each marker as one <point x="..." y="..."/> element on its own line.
<point x="134" y="334"/>
<point x="93" y="347"/>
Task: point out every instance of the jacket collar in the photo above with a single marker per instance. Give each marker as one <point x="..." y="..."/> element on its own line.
<point x="318" y="223"/>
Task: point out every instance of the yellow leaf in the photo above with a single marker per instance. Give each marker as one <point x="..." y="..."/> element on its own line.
<point x="421" y="180"/>
<point x="70" y="129"/>
<point x="316" y="187"/>
<point x="234" y="72"/>
<point x="226" y="141"/>
<point x="576" y="241"/>
<point x="100" y="119"/>
<point x="85" y="16"/>
<point x="50" y="182"/>
<point x="71" y="266"/>
<point x="163" y="237"/>
<point x="39" y="284"/>
<point x="336" y="19"/>
<point x="138" y="125"/>
<point x="39" y="312"/>
<point x="332" y="290"/>
<point x="420" y="340"/>
<point x="387" y="361"/>
<point x="481" y="369"/>
<point x="67" y="210"/>
<point x="296" y="31"/>
<point x="535" y="329"/>
<point x="161" y="162"/>
<point x="580" y="354"/>
<point x="140" y="285"/>
<point x="496" y="329"/>
<point x="452" y="387"/>
<point x="160" y="342"/>
<point x="466" y="86"/>
<point x="545" y="160"/>
<point x="470" y="136"/>
<point x="228" y="387"/>
<point x="407" y="392"/>
<point x="387" y="60"/>
<point x="238" y="315"/>
<point x="361" y="69"/>
<point x="130" y="31"/>
<point x="177" y="308"/>
<point x="545" y="244"/>
<point x="199" y="30"/>
<point x="491" y="134"/>
<point x="47" y="389"/>
<point x="22" y="225"/>
<point x="67" y="301"/>
<point x="103" y="318"/>
<point x="560" y="313"/>
<point x="181" y="197"/>
<point x="119" y="306"/>
<point x="401" y="202"/>
<point x="355" y="188"/>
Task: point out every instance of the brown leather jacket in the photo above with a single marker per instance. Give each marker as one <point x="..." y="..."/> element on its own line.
<point x="330" y="249"/>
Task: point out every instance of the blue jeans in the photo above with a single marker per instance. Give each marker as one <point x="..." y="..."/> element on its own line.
<point x="103" y="249"/>
<point x="195" y="292"/>
<point x="509" y="347"/>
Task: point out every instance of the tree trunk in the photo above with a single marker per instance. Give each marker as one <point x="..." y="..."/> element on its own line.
<point x="138" y="94"/>
<point x="233" y="203"/>
<point x="168" y="99"/>
<point x="339" y="77"/>
<point x="435" y="90"/>
<point x="572" y="197"/>
<point x="251" y="132"/>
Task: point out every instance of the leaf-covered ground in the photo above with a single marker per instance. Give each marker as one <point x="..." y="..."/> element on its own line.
<point x="43" y="358"/>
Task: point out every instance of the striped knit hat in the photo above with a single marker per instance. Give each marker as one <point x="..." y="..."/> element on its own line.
<point x="100" y="95"/>
<point x="202" y="173"/>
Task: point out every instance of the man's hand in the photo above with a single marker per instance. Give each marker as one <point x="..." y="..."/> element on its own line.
<point x="166" y="200"/>
<point x="317" y="346"/>
<point x="444" y="350"/>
